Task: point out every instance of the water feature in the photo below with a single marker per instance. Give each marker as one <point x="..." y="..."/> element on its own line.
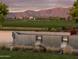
<point x="6" y="38"/>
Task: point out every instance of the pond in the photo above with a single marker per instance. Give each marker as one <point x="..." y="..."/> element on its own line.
<point x="6" y="38"/>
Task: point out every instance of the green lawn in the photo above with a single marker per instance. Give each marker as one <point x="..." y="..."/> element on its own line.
<point x="33" y="55"/>
<point x="40" y="23"/>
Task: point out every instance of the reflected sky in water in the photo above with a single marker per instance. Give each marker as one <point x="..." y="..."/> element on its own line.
<point x="5" y="36"/>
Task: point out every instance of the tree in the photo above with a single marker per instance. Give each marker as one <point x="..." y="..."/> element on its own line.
<point x="3" y="11"/>
<point x="74" y="10"/>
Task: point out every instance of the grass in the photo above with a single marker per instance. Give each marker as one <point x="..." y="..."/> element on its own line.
<point x="39" y="23"/>
<point x="33" y="55"/>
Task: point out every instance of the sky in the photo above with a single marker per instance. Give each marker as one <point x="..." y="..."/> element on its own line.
<point x="22" y="5"/>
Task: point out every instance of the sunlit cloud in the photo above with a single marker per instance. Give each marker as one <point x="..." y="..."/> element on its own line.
<point x="22" y="5"/>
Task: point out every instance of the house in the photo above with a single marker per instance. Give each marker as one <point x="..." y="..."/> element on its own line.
<point x="31" y="18"/>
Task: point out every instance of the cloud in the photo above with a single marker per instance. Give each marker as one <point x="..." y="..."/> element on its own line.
<point x="36" y="4"/>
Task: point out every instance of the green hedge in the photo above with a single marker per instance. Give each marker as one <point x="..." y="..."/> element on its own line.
<point x="39" y="23"/>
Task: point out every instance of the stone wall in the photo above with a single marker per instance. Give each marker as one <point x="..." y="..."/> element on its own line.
<point x="49" y="41"/>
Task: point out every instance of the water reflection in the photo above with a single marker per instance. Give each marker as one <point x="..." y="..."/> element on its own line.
<point x="5" y="36"/>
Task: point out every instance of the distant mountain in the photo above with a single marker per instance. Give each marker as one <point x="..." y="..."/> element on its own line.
<point x="31" y="13"/>
<point x="54" y="12"/>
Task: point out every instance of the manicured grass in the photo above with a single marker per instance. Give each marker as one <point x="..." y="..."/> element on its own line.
<point x="40" y="23"/>
<point x="33" y="55"/>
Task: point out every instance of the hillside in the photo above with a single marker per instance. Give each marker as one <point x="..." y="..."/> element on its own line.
<point x="54" y="12"/>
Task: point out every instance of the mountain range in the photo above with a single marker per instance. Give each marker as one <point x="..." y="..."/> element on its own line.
<point x="53" y="12"/>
